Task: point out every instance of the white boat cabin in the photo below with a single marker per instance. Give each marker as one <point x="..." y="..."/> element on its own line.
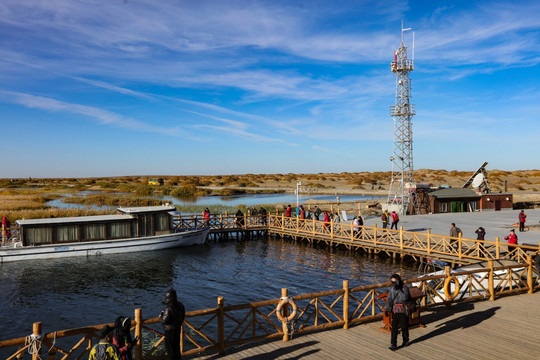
<point x="133" y="222"/>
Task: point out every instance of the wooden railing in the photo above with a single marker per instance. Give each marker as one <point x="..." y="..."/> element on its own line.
<point x="414" y="243"/>
<point x="422" y="244"/>
<point x="214" y="330"/>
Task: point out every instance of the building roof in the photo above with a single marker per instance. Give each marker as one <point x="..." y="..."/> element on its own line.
<point x="455" y="193"/>
<point x="73" y="220"/>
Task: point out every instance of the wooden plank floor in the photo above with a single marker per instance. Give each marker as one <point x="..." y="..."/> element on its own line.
<point x="508" y="328"/>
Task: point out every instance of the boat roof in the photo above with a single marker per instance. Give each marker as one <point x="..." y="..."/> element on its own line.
<point x="146" y="209"/>
<point x="74" y="219"/>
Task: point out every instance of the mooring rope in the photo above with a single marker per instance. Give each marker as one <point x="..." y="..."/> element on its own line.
<point x="34" y="345"/>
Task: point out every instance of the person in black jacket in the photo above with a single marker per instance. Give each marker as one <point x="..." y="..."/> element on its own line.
<point x="398" y="295"/>
<point x="171" y="319"/>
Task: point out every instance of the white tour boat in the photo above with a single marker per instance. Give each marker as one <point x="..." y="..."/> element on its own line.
<point x="460" y="286"/>
<point x="134" y="229"/>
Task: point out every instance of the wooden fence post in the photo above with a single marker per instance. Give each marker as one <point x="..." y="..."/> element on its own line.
<point x="221" y="325"/>
<point x="401" y="237"/>
<point x="491" y="282"/>
<point x="138" y="332"/>
<point x="428" y="235"/>
<point x="36" y="333"/>
<point x="3" y="234"/>
<point x="497" y="249"/>
<point x="530" y="273"/>
<point x="284" y="325"/>
<point x="282" y="221"/>
<point x="460" y="242"/>
<point x="346" y="304"/>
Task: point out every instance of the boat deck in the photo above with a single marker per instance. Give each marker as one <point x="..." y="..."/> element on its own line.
<point x="501" y="329"/>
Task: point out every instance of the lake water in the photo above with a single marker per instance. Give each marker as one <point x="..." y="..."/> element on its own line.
<point x="233" y="201"/>
<point x="76" y="292"/>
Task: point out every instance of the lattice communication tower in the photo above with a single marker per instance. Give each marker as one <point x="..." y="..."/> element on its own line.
<point x="402" y="186"/>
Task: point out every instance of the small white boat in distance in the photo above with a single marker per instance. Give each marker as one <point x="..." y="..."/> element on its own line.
<point x="134" y="229"/>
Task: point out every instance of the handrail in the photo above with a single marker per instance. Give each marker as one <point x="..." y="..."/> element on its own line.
<point x="403" y="241"/>
<point x="215" y="329"/>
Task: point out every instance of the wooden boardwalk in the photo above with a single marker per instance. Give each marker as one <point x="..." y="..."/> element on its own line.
<point x="507" y="328"/>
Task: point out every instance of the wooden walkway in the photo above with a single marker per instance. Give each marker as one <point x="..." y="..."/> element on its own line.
<point x="507" y="328"/>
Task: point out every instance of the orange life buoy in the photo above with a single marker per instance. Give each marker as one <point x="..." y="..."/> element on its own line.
<point x="447" y="292"/>
<point x="284" y="301"/>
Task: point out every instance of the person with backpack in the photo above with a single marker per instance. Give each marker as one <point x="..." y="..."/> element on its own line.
<point x="104" y="349"/>
<point x="398" y="295"/>
<point x="384" y="218"/>
<point x="122" y="337"/>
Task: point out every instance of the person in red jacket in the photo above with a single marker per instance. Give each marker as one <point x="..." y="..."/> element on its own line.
<point x="395" y="220"/>
<point x="288" y="211"/>
<point x="512" y="239"/>
<point x="522" y="218"/>
<point x="326" y="220"/>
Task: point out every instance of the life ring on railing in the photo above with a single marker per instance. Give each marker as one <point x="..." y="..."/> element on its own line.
<point x="447" y="287"/>
<point x="286" y="300"/>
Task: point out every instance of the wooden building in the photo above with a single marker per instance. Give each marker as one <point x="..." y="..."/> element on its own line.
<point x="460" y="200"/>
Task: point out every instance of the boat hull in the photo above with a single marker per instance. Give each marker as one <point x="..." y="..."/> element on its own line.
<point x="102" y="247"/>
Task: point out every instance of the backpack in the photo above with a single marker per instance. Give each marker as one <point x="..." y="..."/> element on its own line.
<point x="384" y="218"/>
<point x="400" y="300"/>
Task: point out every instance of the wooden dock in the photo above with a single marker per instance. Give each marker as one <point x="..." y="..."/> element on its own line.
<point x="504" y="329"/>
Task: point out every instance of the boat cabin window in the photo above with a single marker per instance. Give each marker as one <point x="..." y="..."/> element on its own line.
<point x="119" y="230"/>
<point x="162" y="222"/>
<point x="94" y="232"/>
<point x="67" y="233"/>
<point x="41" y="235"/>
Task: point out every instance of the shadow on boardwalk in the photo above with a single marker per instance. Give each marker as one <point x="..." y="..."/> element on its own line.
<point x="274" y="354"/>
<point x="471" y="319"/>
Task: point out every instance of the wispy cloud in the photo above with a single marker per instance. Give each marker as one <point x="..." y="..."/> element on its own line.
<point x="103" y="117"/>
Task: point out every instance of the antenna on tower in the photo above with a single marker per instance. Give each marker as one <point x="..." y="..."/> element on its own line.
<point x="413" y="46"/>
<point x="403" y="30"/>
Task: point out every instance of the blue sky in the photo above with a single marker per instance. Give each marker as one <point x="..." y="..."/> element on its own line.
<point x="129" y="87"/>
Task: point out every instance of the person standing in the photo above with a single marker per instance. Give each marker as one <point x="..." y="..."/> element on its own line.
<point x="317" y="212"/>
<point x="512" y="239"/>
<point x="288" y="211"/>
<point x="239" y="218"/>
<point x="206" y="217"/>
<point x="480" y="233"/>
<point x="122" y="337"/>
<point x="326" y="219"/>
<point x="264" y="217"/>
<point x="171" y="319"/>
<point x="398" y="295"/>
<point x="5" y="226"/>
<point x="454" y="233"/>
<point x="384" y="218"/>
<point x="522" y="218"/>
<point x="104" y="350"/>
<point x="395" y="220"/>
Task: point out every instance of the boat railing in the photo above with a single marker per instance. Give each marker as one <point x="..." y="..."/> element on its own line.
<point x="215" y="329"/>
